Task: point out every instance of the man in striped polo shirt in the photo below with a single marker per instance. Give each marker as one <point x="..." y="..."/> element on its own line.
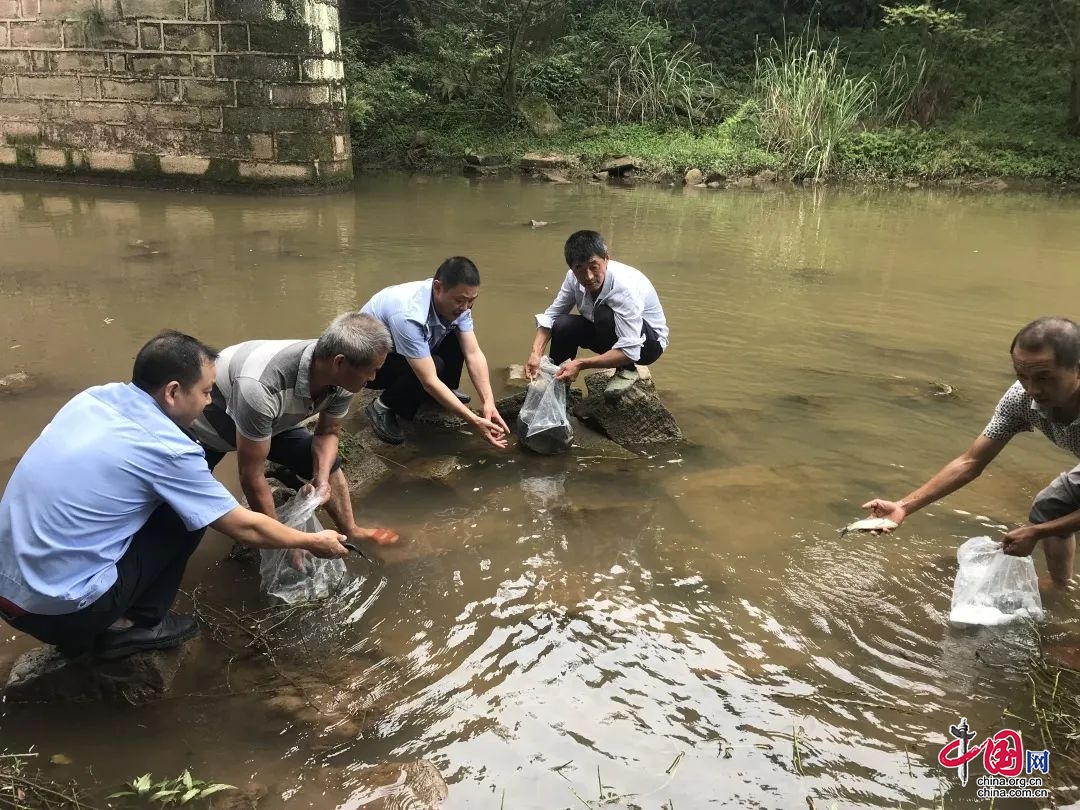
<point x="1046" y="397"/>
<point x="266" y="388"/>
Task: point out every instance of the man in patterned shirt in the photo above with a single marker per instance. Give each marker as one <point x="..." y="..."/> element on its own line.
<point x="1046" y="357"/>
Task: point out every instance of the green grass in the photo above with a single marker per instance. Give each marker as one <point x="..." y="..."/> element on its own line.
<point x="978" y="146"/>
<point x="659" y="149"/>
<point x="807" y="102"/>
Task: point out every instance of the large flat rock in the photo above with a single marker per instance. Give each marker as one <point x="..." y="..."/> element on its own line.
<point x="637" y="417"/>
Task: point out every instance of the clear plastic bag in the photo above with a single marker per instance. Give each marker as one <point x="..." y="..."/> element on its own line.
<point x="993" y="588"/>
<point x="318" y="578"/>
<point x="543" y="425"/>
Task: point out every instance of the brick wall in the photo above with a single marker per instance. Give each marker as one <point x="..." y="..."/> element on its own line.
<point x="193" y="91"/>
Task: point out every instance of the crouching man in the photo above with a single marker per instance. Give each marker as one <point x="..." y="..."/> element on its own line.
<point x="619" y="317"/>
<point x="103" y="511"/>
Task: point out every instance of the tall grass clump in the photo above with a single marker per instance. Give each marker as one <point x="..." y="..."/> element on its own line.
<point x="807" y="103"/>
<point x="648" y="80"/>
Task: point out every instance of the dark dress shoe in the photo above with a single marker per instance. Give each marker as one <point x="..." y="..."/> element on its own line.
<point x="463" y="398"/>
<point x="385" y="424"/>
<point x="172" y="631"/>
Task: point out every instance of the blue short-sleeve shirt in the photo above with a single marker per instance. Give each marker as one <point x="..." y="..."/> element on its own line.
<point x="108" y="459"/>
<point x="409" y="313"/>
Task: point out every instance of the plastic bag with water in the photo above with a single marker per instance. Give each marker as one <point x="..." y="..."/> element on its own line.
<point x="317" y="578"/>
<point x="543" y="425"/>
<point x="993" y="588"/>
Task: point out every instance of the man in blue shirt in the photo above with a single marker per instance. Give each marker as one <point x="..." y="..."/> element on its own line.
<point x="105" y="507"/>
<point x="431" y="325"/>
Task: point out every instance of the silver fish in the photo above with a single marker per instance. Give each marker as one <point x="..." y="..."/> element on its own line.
<point x="875" y="525"/>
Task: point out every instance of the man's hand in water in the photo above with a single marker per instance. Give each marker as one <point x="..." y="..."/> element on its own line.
<point x="380" y="537"/>
<point x="891" y="510"/>
<point x="494" y="433"/>
<point x="1021" y="542"/>
<point x="491" y="413"/>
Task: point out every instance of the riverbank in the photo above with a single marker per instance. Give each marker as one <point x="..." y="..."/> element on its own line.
<point x="726" y="155"/>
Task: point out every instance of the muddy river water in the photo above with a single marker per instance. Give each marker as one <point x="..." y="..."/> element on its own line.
<point x="679" y="630"/>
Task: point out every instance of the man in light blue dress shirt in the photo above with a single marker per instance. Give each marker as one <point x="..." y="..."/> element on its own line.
<point x="431" y="324"/>
<point x="105" y="507"/>
<point x="619" y="317"/>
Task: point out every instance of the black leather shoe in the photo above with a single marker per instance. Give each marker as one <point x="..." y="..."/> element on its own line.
<point x="172" y="631"/>
<point x="463" y="398"/>
<point x="385" y="424"/>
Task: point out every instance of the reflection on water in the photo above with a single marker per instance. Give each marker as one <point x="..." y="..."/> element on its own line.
<point x="680" y="630"/>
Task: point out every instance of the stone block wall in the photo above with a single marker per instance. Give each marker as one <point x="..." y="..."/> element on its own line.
<point x="242" y="92"/>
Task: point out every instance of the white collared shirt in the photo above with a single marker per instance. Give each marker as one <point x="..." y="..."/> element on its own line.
<point x="631" y="297"/>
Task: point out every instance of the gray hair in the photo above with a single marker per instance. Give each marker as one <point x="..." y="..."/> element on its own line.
<point x="356" y="335"/>
<point x="1060" y="335"/>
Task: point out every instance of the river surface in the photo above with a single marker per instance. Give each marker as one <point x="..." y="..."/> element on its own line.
<point x="680" y="630"/>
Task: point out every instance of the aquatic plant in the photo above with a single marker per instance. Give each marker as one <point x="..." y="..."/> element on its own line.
<point x="184" y="789"/>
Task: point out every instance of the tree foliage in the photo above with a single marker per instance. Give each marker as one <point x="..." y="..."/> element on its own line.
<point x="690" y="64"/>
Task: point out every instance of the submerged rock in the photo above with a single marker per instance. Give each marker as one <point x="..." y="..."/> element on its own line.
<point x="42" y="675"/>
<point x="636" y="417"/>
<point x="431" y="468"/>
<point x="417" y="785"/>
<point x="17" y="383"/>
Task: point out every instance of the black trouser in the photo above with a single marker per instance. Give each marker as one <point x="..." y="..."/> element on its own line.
<point x="403" y="393"/>
<point x="572" y="332"/>
<point x="291" y="448"/>
<point x="147" y="579"/>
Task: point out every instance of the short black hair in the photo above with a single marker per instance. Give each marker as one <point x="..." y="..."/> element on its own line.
<point x="582" y="246"/>
<point x="457" y="270"/>
<point x="168" y="356"/>
<point x="1060" y="335"/>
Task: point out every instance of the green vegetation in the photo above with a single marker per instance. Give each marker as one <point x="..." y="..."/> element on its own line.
<point x="837" y="88"/>
<point x="166" y="792"/>
<point x="1049" y="715"/>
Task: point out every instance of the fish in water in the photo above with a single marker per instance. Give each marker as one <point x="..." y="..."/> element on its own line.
<point x="875" y="525"/>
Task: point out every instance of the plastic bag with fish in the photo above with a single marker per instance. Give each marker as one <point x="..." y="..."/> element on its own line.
<point x="543" y="425"/>
<point x="993" y="588"/>
<point x="316" y="578"/>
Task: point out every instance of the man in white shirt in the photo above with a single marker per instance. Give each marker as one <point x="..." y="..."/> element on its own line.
<point x="620" y="317"/>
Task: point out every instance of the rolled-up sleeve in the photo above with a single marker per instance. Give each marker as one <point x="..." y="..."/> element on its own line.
<point x="564" y="301"/>
<point x="188" y="486"/>
<point x="465" y="322"/>
<point x="629" y="327"/>
<point x="1011" y="416"/>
